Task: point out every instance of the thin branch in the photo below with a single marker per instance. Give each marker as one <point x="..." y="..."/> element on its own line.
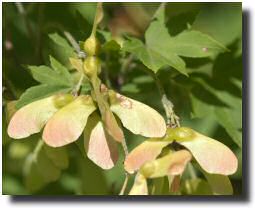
<point x="124" y="68"/>
<point x="106" y="71"/>
<point x="73" y="42"/>
<point x="98" y="17"/>
<point x="38" y="148"/>
<point x="172" y="118"/>
<point x="192" y="171"/>
<point x="75" y="45"/>
<point x="124" y="145"/>
<point x="78" y="85"/>
<point x="23" y="14"/>
<point x="124" y="186"/>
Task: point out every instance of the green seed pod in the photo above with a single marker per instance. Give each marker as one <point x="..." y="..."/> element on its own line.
<point x="148" y="168"/>
<point x="179" y="134"/>
<point x="92" y="46"/>
<point x="91" y="66"/>
<point x="63" y="99"/>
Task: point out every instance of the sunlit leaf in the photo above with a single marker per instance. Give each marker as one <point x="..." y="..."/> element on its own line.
<point x="151" y="58"/>
<point x="46" y="75"/>
<point x="62" y="70"/>
<point x="195" y="44"/>
<point x="68" y="123"/>
<point x="138" y="117"/>
<point x="166" y="50"/>
<point x="61" y="41"/>
<point x="61" y="49"/>
<point x="209" y="21"/>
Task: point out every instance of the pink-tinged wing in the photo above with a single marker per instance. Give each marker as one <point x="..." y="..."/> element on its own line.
<point x="140" y="186"/>
<point x="213" y="156"/>
<point x="138" y="117"/>
<point x="174" y="163"/>
<point x="31" y="118"/>
<point x="100" y="147"/>
<point x="68" y="123"/>
<point x="147" y="151"/>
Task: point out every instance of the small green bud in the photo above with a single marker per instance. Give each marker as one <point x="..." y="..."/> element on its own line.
<point x="91" y="66"/>
<point x="92" y="46"/>
<point x="63" y="99"/>
<point x="86" y="100"/>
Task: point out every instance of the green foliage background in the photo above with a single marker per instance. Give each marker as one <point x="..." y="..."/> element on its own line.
<point x="209" y="100"/>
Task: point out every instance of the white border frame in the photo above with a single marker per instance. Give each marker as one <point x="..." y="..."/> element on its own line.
<point x="249" y="6"/>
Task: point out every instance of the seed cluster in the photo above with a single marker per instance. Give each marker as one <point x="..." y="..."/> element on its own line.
<point x="91" y="64"/>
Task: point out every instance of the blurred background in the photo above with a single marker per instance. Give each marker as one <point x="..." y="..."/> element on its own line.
<point x="210" y="100"/>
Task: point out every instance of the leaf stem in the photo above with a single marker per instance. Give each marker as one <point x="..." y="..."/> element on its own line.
<point x="124" y="186"/>
<point x="72" y="41"/>
<point x="192" y="172"/>
<point x="97" y="18"/>
<point x="172" y="118"/>
<point x="124" y="146"/>
<point x="78" y="85"/>
<point x="38" y="148"/>
<point x="123" y="143"/>
<point x="75" y="45"/>
<point x="23" y="14"/>
<point x="123" y="69"/>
